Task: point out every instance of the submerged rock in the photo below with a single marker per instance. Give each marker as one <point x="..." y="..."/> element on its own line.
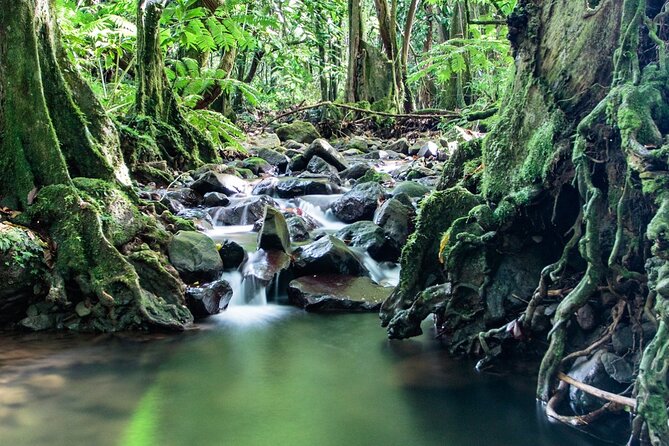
<point x="274" y="231"/>
<point x="194" y="255"/>
<point x="327" y="255"/>
<point x="299" y="131"/>
<point x="336" y="293"/>
<point x="359" y="203"/>
<point x="209" y="299"/>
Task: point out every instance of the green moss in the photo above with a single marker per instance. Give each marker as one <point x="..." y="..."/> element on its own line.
<point x="372" y="176"/>
<point x="300" y="131"/>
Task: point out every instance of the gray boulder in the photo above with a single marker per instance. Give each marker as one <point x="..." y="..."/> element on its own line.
<point x="372" y="238"/>
<point x="299" y="131"/>
<point x="298" y="229"/>
<point x="275" y="158"/>
<point x="194" y="256"/>
<point x="178" y="200"/>
<point x="330" y="293"/>
<point x="208" y="300"/>
<point x="242" y="211"/>
<point x="219" y="182"/>
<point x="328" y="255"/>
<point x="232" y="254"/>
<point x="359" y="203"/>
<point x="289" y="187"/>
<point x="322" y="149"/>
<point x="396" y="219"/>
<point x="212" y="199"/>
<point x="411" y="188"/>
<point x="274" y="233"/>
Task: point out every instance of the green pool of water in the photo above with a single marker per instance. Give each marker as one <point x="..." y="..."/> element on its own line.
<point x="272" y="376"/>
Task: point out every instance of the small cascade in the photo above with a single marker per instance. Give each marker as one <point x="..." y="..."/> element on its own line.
<point x="245" y="290"/>
<point x="383" y="273"/>
<point x="317" y="208"/>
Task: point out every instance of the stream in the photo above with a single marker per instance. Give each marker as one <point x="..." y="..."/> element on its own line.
<point x="257" y="375"/>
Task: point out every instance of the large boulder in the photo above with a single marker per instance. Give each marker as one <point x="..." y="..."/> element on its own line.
<point x="299" y="131"/>
<point x="209" y="299"/>
<point x="359" y="203"/>
<point x="225" y="183"/>
<point x="212" y="199"/>
<point x="232" y="254"/>
<point x="322" y="149"/>
<point x="21" y="271"/>
<point x="336" y="293"/>
<point x="372" y="238"/>
<point x="275" y="158"/>
<point x="289" y="187"/>
<point x="195" y="257"/>
<point x="242" y="211"/>
<point x="178" y="200"/>
<point x="411" y="188"/>
<point x="274" y="233"/>
<point x="327" y="255"/>
<point x="396" y="219"/>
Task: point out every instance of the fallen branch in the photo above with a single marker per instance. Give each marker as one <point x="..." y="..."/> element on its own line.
<point x="599" y="393"/>
<point x="435" y="115"/>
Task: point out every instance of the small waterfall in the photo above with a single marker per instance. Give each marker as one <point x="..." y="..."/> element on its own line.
<point x="383" y="273"/>
<point x="317" y="208"/>
<point x="245" y="290"/>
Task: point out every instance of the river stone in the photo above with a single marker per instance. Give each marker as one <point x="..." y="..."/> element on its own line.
<point x="399" y="146"/>
<point x="372" y="238"/>
<point x="591" y="371"/>
<point x="618" y="368"/>
<point x="264" y="141"/>
<point x="178" y="200"/>
<point x="336" y="293"/>
<point x="328" y="255"/>
<point x="263" y="266"/>
<point x="298" y="229"/>
<point x="194" y="255"/>
<point x="274" y="231"/>
<point x="396" y="219"/>
<point x="219" y="182"/>
<point x="411" y="188"/>
<point x="299" y="131"/>
<point x="290" y="187"/>
<point x="356" y="171"/>
<point x="207" y="300"/>
<point x="212" y="199"/>
<point x="199" y="217"/>
<point x="429" y="149"/>
<point x="232" y="254"/>
<point x="358" y="143"/>
<point x="241" y="211"/>
<point x="323" y="149"/>
<point x="275" y="158"/>
<point x="258" y="166"/>
<point x="319" y="165"/>
<point x="359" y="203"/>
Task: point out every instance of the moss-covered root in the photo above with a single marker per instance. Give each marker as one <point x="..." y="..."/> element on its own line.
<point x="406" y="323"/>
<point x="590" y="251"/>
<point x="651" y="385"/>
<point x="85" y="256"/>
<point x="420" y="267"/>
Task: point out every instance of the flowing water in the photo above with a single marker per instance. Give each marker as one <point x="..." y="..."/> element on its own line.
<point x="261" y="375"/>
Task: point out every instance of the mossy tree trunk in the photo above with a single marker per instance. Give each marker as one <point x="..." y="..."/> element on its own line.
<point x="52" y="133"/>
<point x="157" y="112"/>
<point x="577" y="169"/>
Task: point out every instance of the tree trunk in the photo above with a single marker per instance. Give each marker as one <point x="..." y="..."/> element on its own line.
<point x="579" y="149"/>
<point x="355" y="50"/>
<point x="156" y="111"/>
<point x="51" y="130"/>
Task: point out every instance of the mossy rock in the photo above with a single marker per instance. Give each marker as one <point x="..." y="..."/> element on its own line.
<point x="300" y="131"/>
<point x="195" y="256"/>
<point x="411" y="188"/>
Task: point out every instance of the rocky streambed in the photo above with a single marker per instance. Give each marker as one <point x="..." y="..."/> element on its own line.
<point x="304" y="221"/>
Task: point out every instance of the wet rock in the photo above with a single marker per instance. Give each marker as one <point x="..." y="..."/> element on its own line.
<point x="327" y="255"/>
<point x="358" y="143"/>
<point x="372" y="238"/>
<point x="219" y="182"/>
<point x="177" y="200"/>
<point x="263" y="266"/>
<point x="585" y="317"/>
<point x="429" y="149"/>
<point x="241" y="211"/>
<point x="298" y="229"/>
<point x="411" y="188"/>
<point x="322" y="149"/>
<point x="399" y="146"/>
<point x="38" y="322"/>
<point x="353" y="152"/>
<point x="212" y="199"/>
<point x="274" y="231"/>
<point x="258" y="166"/>
<point x="21" y="271"/>
<point x="618" y="368"/>
<point x="623" y="340"/>
<point x="356" y="171"/>
<point x="396" y="219"/>
<point x="209" y="299"/>
<point x="275" y="158"/>
<point x="299" y="131"/>
<point x="199" y="217"/>
<point x="405" y="200"/>
<point x="232" y="254"/>
<point x="194" y="256"/>
<point x="336" y="293"/>
<point x="293" y="146"/>
<point x="376" y="177"/>
<point x="591" y="371"/>
<point x="288" y="187"/>
<point x="264" y="141"/>
<point x="319" y="165"/>
<point x="418" y="172"/>
<point x="359" y="203"/>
